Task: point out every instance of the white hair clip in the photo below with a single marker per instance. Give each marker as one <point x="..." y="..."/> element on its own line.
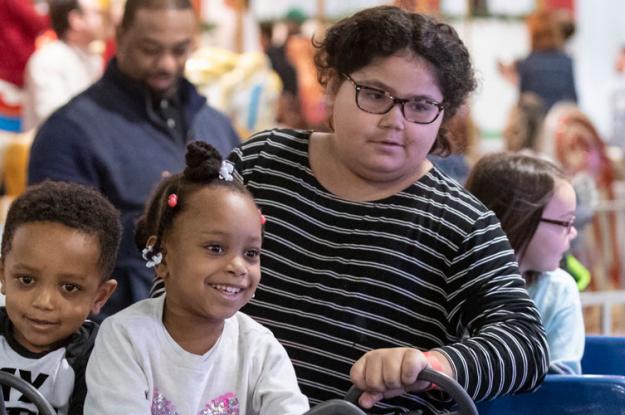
<point x="151" y="260"/>
<point x="225" y="171"/>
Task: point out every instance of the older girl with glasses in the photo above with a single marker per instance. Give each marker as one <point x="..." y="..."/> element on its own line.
<point x="535" y="204"/>
<point x="376" y="264"/>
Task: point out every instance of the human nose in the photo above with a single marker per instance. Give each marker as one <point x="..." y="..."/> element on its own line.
<point x="572" y="233"/>
<point x="394" y="117"/>
<point x="237" y="266"/>
<point x="44" y="299"/>
<point x="167" y="62"/>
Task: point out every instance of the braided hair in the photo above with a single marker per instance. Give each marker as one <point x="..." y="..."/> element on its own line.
<point x="203" y="164"/>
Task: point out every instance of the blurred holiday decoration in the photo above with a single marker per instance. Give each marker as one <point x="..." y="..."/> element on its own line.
<point x="242" y="86"/>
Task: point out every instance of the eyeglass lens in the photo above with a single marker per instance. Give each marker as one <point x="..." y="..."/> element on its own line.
<point x="379" y="102"/>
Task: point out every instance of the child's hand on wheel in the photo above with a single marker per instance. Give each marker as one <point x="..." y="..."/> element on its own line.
<point x="386" y="373"/>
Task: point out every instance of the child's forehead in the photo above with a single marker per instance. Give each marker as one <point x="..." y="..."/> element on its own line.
<point x="36" y="228"/>
<point x="217" y="205"/>
<point x="218" y="197"/>
<point x="59" y="266"/>
<point x="54" y="240"/>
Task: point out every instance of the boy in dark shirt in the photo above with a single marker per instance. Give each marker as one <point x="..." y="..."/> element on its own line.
<point x="59" y="247"/>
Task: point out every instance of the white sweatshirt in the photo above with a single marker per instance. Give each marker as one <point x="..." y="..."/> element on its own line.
<point x="136" y="368"/>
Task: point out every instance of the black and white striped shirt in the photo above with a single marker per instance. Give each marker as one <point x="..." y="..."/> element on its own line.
<point x="427" y="268"/>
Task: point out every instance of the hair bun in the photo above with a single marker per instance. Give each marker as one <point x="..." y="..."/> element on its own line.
<point x="203" y="161"/>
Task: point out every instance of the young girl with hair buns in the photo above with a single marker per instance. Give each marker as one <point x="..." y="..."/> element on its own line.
<point x="192" y="351"/>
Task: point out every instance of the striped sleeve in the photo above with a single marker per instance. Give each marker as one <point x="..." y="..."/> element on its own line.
<point x="505" y="350"/>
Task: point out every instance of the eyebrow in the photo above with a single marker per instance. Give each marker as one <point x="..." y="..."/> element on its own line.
<point x="565" y="215"/>
<point x="24" y="268"/>
<point x="256" y="240"/>
<point x="224" y="234"/>
<point x="375" y="84"/>
<point x="152" y="41"/>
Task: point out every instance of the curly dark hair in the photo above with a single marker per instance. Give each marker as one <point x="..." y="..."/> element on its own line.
<point x="356" y="41"/>
<point x="73" y="205"/>
<point x="202" y="169"/>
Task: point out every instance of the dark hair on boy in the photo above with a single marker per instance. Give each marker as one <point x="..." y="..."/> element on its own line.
<point x="59" y="11"/>
<point x="203" y="164"/>
<point x="131" y="7"/>
<point x="380" y="32"/>
<point x="516" y="187"/>
<point x="73" y="205"/>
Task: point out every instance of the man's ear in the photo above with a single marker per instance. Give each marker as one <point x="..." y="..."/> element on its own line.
<point x="105" y="290"/>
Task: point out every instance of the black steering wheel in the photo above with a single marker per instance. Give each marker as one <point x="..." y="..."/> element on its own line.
<point x="466" y="406"/>
<point x="29" y="391"/>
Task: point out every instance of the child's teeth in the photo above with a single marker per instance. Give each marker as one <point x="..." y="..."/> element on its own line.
<point x="228" y="289"/>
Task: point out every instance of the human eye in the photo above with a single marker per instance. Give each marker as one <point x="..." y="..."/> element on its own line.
<point x="215" y="249"/>
<point x="150" y="50"/>
<point x="70" y="287"/>
<point x="420" y="106"/>
<point x="374" y="94"/>
<point x="25" y="280"/>
<point x="252" y="253"/>
<point x="181" y="50"/>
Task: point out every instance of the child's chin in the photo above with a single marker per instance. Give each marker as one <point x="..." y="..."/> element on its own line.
<point x="553" y="268"/>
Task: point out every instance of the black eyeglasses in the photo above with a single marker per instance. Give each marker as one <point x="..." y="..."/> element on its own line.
<point x="378" y="101"/>
<point x="568" y="224"/>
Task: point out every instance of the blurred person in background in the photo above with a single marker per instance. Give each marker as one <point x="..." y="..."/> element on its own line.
<point x="524" y="126"/>
<point x="130" y="129"/>
<point x="20" y="24"/>
<point x="300" y="52"/>
<point x="59" y="70"/>
<point x="547" y="71"/>
<point x="289" y="108"/>
<point x="463" y="135"/>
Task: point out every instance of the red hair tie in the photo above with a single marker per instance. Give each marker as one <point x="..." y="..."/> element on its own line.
<point x="172" y="200"/>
